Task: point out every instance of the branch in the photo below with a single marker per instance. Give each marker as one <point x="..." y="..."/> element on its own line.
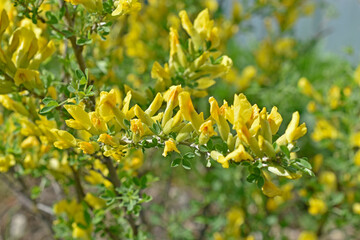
<point x="78" y="187"/>
<point x="112" y="172"/>
<point x="77" y="48"/>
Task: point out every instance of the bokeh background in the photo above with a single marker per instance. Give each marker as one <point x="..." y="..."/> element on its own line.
<point x="306" y="62"/>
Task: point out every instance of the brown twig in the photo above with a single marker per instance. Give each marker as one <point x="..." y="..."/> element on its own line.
<point x="78" y="187"/>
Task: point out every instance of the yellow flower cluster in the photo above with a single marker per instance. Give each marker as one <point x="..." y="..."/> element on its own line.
<point x="196" y="67"/>
<point x="270" y="54"/>
<point x="317" y="206"/>
<point x="252" y="137"/>
<point x="74" y="211"/>
<point x="21" y="57"/>
<point x="287" y="12"/>
<point x="122" y="6"/>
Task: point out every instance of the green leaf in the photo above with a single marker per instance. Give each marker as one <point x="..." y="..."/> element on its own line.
<point x="308" y="171"/>
<point x="189" y="155"/>
<point x="285" y="150"/>
<point x="304" y="163"/>
<point x="260" y="182"/>
<point x="203" y="148"/>
<point x="83" y="81"/>
<point x="251" y="178"/>
<point x="83" y="41"/>
<point x="35" y="192"/>
<point x="67" y="33"/>
<point x="155" y="128"/>
<point x="186" y="164"/>
<point x="51" y="18"/>
<point x="79" y="74"/>
<point x="71" y="89"/>
<point x="222" y="147"/>
<point x="47" y="100"/>
<point x="87" y="216"/>
<point x="175" y="162"/>
<point x="127" y="123"/>
<point x="255" y="170"/>
<point x="99" y="216"/>
<point x="210" y="145"/>
<point x="50" y="106"/>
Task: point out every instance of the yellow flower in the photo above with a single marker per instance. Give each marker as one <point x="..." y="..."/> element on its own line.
<point x="242" y="111"/>
<point x="329" y="179"/>
<point x="30" y="142"/>
<point x="306" y="87"/>
<point x="176" y="51"/>
<point x="162" y="74"/>
<point x="203" y="29"/>
<point x="98" y="122"/>
<point x="80" y="116"/>
<point x="357" y="75"/>
<point x="12" y="105"/>
<point x="64" y="139"/>
<point x="155" y="105"/>
<point x="311" y="107"/>
<point x="51" y="91"/>
<point x="46" y="50"/>
<point x="324" y="130"/>
<point x="218" y="114"/>
<point x="317" y="206"/>
<point x="357" y="158"/>
<point x="218" y="236"/>
<point x="356" y="208"/>
<point x="90" y="5"/>
<point x="137" y="128"/>
<point x="293" y="130"/>
<point x="334" y="95"/>
<point x="188" y="111"/>
<point x="347" y="91"/>
<point x="237" y="155"/>
<point x="170" y="146"/>
<point x="94" y="202"/>
<point x="126" y="6"/>
<point x="275" y="120"/>
<point x="108" y="140"/>
<point x="203" y="25"/>
<point x="134" y="160"/>
<point x="4" y="22"/>
<point x="88" y="147"/>
<point x="285" y="47"/>
<point x="235" y="217"/>
<point x="79" y="232"/>
<point x="6" y="162"/>
<point x="60" y="207"/>
<point x="354" y="139"/>
<point x="95" y="178"/>
<point x="107" y="104"/>
<point x="206" y="131"/>
<point x="172" y="99"/>
<point x="145" y="118"/>
<point x="269" y="188"/>
<point x="247" y="74"/>
<point x="185" y="132"/>
<point x="30" y="161"/>
<point x="307" y="235"/>
<point x="318" y="160"/>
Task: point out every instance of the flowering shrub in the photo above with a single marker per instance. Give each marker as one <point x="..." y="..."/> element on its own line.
<point x="141" y="118"/>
